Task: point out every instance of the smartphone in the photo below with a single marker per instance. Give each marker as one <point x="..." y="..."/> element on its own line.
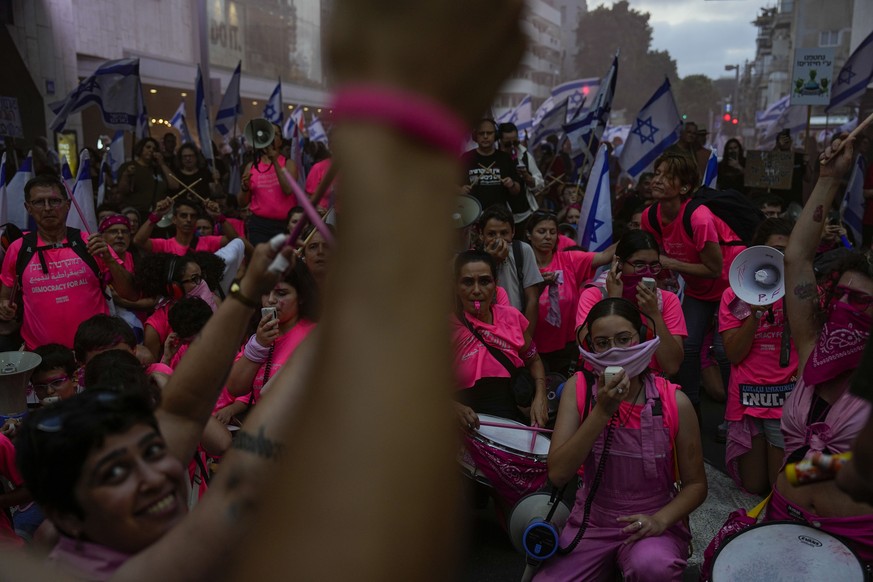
<point x="649" y="283"/>
<point x="272" y="312"/>
<point x="610" y="372"/>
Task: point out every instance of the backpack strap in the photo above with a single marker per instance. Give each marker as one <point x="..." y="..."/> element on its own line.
<point x="25" y="254"/>
<point x="653" y="219"/>
<point x="518" y="257"/>
<point x="74" y="241"/>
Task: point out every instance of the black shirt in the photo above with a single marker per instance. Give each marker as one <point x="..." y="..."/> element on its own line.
<point x="485" y="173"/>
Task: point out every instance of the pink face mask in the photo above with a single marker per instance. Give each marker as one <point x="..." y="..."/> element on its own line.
<point x="629" y="289"/>
<point x="202" y="291"/>
<point x="840" y="345"/>
<point x="634" y="359"/>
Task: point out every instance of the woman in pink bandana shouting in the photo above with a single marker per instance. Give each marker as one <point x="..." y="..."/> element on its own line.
<point x="829" y="332"/>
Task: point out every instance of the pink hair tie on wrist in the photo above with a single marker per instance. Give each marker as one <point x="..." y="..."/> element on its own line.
<point x="416" y="115"/>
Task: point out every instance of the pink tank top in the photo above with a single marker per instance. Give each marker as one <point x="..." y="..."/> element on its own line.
<point x="268" y="200"/>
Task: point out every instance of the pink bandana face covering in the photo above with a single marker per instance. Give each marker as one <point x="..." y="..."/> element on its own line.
<point x="634" y="359"/>
<point x="840" y="344"/>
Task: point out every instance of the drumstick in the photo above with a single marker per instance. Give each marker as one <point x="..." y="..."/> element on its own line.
<point x="554" y="180"/>
<point x="188" y="187"/>
<point x="855" y="133"/>
<point x="515" y="426"/>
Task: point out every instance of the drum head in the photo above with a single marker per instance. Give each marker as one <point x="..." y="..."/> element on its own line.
<point x="531" y="507"/>
<point x="785" y="551"/>
<point x="514" y="439"/>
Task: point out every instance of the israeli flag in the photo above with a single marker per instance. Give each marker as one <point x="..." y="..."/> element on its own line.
<point x="576" y="93"/>
<point x="13" y="203"/>
<point x="204" y="131"/>
<point x="179" y="121"/>
<point x="656" y="128"/>
<point x="594" y="229"/>
<point x="853" y="205"/>
<point x="521" y="116"/>
<point x="552" y="123"/>
<point x="3" y="219"/>
<point x="67" y="174"/>
<point x="294" y="123"/>
<point x="115" y="153"/>
<point x="586" y="132"/>
<point x="231" y="106"/>
<point x="710" y="177"/>
<point x="115" y="88"/>
<point x="316" y="131"/>
<point x="792" y="118"/>
<point x="854" y="77"/>
<point x="83" y="197"/>
<point x="273" y="108"/>
<point x="101" y="182"/>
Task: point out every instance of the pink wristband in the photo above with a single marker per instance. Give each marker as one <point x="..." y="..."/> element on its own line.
<point x="415" y="115"/>
<point x="255" y="351"/>
<point x="154" y="218"/>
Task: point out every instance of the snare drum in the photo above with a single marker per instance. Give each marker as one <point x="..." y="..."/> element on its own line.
<point x="785" y="550"/>
<point x="511" y="460"/>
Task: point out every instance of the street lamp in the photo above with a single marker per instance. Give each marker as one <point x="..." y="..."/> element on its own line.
<point x="735" y="99"/>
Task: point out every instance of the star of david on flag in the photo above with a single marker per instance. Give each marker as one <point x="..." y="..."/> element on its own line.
<point x="273" y="109"/>
<point x="854" y="77"/>
<point x="594" y="229"/>
<point x="657" y="126"/>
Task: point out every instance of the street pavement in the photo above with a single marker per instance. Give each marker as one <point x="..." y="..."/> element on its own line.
<point x="490" y="556"/>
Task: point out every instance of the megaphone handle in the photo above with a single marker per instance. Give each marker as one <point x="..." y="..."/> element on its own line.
<point x="785" y="347"/>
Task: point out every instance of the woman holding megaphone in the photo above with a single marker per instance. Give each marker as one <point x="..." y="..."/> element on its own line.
<point x="266" y="182"/>
<point x="763" y="367"/>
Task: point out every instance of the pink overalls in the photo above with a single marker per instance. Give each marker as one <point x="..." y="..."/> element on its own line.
<point x="637" y="478"/>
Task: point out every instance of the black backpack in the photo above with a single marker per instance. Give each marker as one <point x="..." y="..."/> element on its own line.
<point x="729" y="205"/>
<point x="74" y="241"/>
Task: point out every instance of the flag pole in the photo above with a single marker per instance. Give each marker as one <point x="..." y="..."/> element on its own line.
<point x="78" y="208"/>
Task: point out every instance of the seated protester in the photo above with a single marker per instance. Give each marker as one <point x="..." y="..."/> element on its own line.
<point x="316" y="254"/>
<point x="629" y="433"/>
<point x="517" y="271"/>
<point x="296" y="304"/>
<point x="205" y="226"/>
<point x="185" y="215"/>
<point x="16" y="495"/>
<point x="821" y="414"/>
<point x="187" y="318"/>
<point x="120" y="369"/>
<point x="193" y="172"/>
<point x="761" y="377"/>
<point x="62" y="282"/>
<point x="294" y="217"/>
<point x="564" y="273"/>
<point x="116" y="231"/>
<point x="105" y="210"/>
<point x="832" y="235"/>
<point x="133" y="216"/>
<point x="55" y="377"/>
<point x="104" y="445"/>
<point x="169" y="278"/>
<point x="483" y="380"/>
<point x="103" y="333"/>
<point x="215" y="270"/>
<point x="637" y="255"/>
<point x="772" y="206"/>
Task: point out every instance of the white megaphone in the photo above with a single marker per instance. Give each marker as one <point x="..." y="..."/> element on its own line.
<point x="757" y="275"/>
<point x="529" y="531"/>
<point x="15" y="371"/>
<point x="467" y="211"/>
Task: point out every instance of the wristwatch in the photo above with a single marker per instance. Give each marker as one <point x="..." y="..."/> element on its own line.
<point x="236" y="293"/>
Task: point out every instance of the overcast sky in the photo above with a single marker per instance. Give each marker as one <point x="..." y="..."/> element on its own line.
<point x="702" y="36"/>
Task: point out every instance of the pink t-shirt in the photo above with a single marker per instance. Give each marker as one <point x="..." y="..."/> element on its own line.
<point x="565" y="242"/>
<point x="758" y="379"/>
<point x="473" y="361"/>
<point x="284" y="348"/>
<point x="313" y="179"/>
<point x="671" y="310"/>
<point x="238" y="225"/>
<point x="9" y="471"/>
<point x="502" y="297"/>
<point x="55" y="303"/>
<point x="209" y="244"/>
<point x="268" y="199"/>
<point x="576" y="268"/>
<point x="160" y="321"/>
<point x="676" y="244"/>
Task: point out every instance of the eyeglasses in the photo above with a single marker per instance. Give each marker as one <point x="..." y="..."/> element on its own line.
<point x="856" y="298"/>
<point x="44" y="203"/>
<point x="193" y="279"/>
<point x="641" y="268"/>
<point x="53" y="385"/>
<point x="53" y="423"/>
<point x="117" y="232"/>
<point x="621" y="340"/>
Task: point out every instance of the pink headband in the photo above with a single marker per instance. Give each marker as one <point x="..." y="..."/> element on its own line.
<point x="112" y="220"/>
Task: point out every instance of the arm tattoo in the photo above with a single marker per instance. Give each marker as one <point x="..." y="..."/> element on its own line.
<point x="818" y="215"/>
<point x="805" y="291"/>
<point x="258" y="445"/>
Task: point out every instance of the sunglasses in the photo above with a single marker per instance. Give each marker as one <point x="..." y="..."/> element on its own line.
<point x="855" y="298"/>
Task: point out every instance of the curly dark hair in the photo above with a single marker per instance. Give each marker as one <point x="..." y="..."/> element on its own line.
<point x="152" y="272"/>
<point x="211" y="267"/>
<point x="188" y="316"/>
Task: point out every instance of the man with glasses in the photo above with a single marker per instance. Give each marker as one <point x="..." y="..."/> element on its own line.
<point x="525" y="166"/>
<point x="61" y="281"/>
